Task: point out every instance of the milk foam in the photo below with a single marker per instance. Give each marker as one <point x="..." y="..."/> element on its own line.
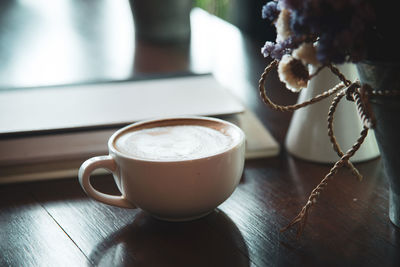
<point x="171" y="143"/>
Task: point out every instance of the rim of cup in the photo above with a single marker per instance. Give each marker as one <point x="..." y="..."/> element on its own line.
<point x="169" y="122"/>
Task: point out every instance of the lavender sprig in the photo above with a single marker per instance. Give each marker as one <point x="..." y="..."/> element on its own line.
<point x="279" y="49"/>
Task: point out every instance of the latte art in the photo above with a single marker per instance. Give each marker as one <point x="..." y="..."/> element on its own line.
<point x="171" y="143"/>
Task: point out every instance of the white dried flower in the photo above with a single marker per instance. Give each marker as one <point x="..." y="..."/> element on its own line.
<point x="307" y="53"/>
<point x="293" y="73"/>
<point x="282" y="26"/>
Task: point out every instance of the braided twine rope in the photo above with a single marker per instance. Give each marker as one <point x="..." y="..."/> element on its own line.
<point x="352" y="91"/>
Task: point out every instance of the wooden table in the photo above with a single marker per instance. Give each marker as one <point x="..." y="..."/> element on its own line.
<point x="53" y="223"/>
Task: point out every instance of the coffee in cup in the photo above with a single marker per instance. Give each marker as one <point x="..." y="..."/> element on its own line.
<point x="175" y="169"/>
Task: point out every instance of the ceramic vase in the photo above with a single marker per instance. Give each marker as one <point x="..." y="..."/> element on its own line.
<point x="307" y="136"/>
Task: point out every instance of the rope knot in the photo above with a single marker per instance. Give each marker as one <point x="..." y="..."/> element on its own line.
<point x="351" y="89"/>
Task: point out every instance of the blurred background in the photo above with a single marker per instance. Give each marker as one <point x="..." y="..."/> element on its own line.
<point x="70" y="41"/>
<point x="246" y="15"/>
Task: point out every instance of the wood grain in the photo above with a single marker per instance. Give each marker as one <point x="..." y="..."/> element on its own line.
<point x="123" y="237"/>
<point x="29" y="236"/>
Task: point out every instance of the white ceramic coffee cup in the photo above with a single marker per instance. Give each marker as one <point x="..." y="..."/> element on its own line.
<point x="171" y="190"/>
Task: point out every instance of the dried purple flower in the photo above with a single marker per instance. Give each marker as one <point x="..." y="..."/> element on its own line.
<point x="270" y="11"/>
<point x="277" y="50"/>
<point x="267" y="49"/>
<point x="344" y="28"/>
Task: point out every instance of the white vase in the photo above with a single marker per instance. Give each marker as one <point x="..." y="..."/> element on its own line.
<point x="307" y="136"/>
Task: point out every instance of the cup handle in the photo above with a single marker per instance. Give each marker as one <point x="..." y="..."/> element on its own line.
<point x="86" y="169"/>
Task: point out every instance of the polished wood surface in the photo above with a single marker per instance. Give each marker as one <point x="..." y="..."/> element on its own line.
<point x="50" y="223"/>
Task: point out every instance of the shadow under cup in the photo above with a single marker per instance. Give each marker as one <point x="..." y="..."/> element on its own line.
<point x="211" y="241"/>
<point x="183" y="187"/>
